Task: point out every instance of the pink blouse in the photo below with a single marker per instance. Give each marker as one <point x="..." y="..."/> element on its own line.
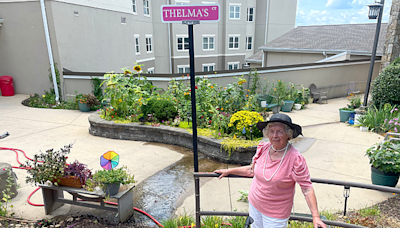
<point x="274" y="198"/>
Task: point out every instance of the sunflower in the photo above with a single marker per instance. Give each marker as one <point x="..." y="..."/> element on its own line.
<point x="137" y="68"/>
<point x="127" y="72"/>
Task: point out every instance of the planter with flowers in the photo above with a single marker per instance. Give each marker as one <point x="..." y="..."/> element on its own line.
<point x="384" y="158"/>
<point x="86" y="101"/>
<point x="51" y="166"/>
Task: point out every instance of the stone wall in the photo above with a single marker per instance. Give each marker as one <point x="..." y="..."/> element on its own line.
<point x="392" y="41"/>
<point x="168" y="135"/>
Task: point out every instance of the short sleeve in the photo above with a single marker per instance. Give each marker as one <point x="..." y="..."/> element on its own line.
<point x="300" y="173"/>
<point x="262" y="146"/>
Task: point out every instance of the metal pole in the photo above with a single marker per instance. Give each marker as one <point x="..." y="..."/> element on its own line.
<point x="371" y="65"/>
<point x="194" y="123"/>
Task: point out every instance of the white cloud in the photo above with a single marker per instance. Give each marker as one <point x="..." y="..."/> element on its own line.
<point x="338" y="4"/>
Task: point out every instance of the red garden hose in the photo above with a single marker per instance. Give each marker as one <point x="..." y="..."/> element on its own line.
<point x="30" y="195"/>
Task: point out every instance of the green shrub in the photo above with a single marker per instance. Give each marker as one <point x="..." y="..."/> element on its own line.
<point x="161" y="109"/>
<point x="385" y="88"/>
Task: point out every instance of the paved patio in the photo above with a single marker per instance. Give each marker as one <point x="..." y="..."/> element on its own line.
<point x="333" y="151"/>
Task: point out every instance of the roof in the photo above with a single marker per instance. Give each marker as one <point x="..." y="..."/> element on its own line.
<point x="345" y="37"/>
<point x="257" y="57"/>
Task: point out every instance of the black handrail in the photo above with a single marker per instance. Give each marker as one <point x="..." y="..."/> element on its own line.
<point x="346" y="184"/>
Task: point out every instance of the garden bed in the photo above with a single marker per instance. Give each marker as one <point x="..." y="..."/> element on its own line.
<point x="168" y="135"/>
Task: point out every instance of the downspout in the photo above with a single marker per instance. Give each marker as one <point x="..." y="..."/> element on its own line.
<point x="169" y="42"/>
<point x="266" y="23"/>
<point x="324" y="53"/>
<point x="50" y="52"/>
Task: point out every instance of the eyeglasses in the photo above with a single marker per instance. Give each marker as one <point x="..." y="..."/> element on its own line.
<point x="278" y="133"/>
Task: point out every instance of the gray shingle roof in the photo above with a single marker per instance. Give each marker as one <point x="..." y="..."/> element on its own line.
<point x="256" y="57"/>
<point x="351" y="37"/>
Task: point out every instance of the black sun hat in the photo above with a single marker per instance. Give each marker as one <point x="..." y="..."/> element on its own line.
<point x="281" y="118"/>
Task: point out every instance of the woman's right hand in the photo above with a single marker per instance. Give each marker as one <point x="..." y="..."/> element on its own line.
<point x="223" y="172"/>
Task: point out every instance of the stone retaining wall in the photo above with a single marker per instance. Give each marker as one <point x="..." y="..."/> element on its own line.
<point x="168" y="135"/>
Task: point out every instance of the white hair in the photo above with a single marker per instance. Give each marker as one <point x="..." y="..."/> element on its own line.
<point x="288" y="130"/>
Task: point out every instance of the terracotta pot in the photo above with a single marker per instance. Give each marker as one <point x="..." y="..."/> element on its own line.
<point x="70" y="181"/>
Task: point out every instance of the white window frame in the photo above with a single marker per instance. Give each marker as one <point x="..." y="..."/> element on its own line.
<point x="183" y="42"/>
<point x="182" y="2"/>
<point x="134" y="7"/>
<point x="233" y="64"/>
<point x="150" y="70"/>
<point x="208" y="42"/>
<point x="248" y="14"/>
<point x="137" y="44"/>
<point x="247" y="43"/>
<point x="233" y="41"/>
<point x="236" y="6"/>
<point x="184" y="69"/>
<point x="146" y="9"/>
<point x="208" y="65"/>
<point x="149" y="44"/>
<point x="207" y="2"/>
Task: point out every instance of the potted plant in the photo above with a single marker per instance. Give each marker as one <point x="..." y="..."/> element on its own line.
<point x="385" y="163"/>
<point x="75" y="175"/>
<point x="86" y="101"/>
<point x="345" y="113"/>
<point x="110" y="180"/>
<point x="47" y="166"/>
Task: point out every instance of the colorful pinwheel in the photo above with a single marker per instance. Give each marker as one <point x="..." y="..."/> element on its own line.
<point x="109" y="160"/>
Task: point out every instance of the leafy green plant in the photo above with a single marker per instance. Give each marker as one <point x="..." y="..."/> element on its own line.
<point x="244" y="196"/>
<point x="255" y="81"/>
<point x="385" y="156"/>
<point x="346" y="109"/>
<point x="385" y="88"/>
<point x="47" y="166"/>
<point x="161" y="109"/>
<point x="380" y="120"/>
<point x="7" y="194"/>
<point x="97" y="89"/>
<point x="355" y="101"/>
<point x="52" y="91"/>
<point x="104" y="177"/>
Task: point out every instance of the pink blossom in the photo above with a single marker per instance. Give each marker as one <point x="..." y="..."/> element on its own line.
<point x="219" y="134"/>
<point x="391" y="111"/>
<point x="391" y="121"/>
<point x="4" y="169"/>
<point x="395" y="128"/>
<point x="396" y="118"/>
<point x="395" y="123"/>
<point x="385" y="120"/>
<point x="395" y="109"/>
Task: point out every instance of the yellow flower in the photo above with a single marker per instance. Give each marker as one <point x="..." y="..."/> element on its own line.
<point x="216" y="225"/>
<point x="222" y="109"/>
<point x="279" y="80"/>
<point x="247" y="95"/>
<point x="120" y="100"/>
<point x="226" y="101"/>
<point x="274" y="89"/>
<point x="215" y="72"/>
<point x="127" y="72"/>
<point x="137" y="68"/>
<point x="43" y="95"/>
<point x="193" y="225"/>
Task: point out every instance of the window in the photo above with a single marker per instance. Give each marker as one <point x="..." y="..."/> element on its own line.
<point x="123" y="20"/>
<point x="249" y="42"/>
<point x="250" y="14"/>
<point x="183" y="69"/>
<point x="149" y="47"/>
<point x="137" y="45"/>
<point x="134" y="6"/>
<point x="208" y="67"/>
<point x="233" y="65"/>
<point x="182" y="43"/>
<point x="146" y="7"/>
<point x="208" y="42"/>
<point x="234" y="11"/>
<point x="233" y="42"/>
<point x="150" y="70"/>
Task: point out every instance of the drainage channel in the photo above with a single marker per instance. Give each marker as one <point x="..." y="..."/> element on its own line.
<point x="160" y="194"/>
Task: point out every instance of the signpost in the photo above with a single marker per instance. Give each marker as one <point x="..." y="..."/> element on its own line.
<point x="191" y="15"/>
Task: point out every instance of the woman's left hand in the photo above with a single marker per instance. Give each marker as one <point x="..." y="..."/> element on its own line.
<point x="318" y="223"/>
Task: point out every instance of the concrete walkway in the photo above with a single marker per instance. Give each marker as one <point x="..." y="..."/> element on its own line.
<point x="333" y="150"/>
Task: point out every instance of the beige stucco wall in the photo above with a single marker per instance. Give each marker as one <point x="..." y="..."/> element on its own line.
<point x="332" y="78"/>
<point x="288" y="58"/>
<point x="23" y="51"/>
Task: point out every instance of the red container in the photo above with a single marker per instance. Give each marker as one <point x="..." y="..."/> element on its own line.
<point x="7" y="85"/>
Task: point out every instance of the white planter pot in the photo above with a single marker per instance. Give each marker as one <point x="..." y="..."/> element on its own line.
<point x="363" y="128"/>
<point x="297" y="106"/>
<point x="356" y="119"/>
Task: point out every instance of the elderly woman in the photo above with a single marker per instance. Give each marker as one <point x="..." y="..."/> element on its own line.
<point x="277" y="166"/>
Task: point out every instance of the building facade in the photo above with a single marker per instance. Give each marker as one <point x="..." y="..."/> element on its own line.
<point x="107" y="35"/>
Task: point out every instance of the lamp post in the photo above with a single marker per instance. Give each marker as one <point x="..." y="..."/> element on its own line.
<point x="375" y="11"/>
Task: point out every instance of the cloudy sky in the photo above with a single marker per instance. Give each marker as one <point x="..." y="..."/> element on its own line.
<point x="322" y="12"/>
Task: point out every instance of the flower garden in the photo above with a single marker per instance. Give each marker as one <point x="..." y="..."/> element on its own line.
<point x="229" y="113"/>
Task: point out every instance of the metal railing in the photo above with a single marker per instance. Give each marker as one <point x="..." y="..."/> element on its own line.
<point x="346" y="184"/>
